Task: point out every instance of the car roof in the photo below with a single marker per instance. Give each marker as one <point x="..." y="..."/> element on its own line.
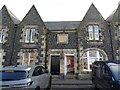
<point x="20" y="67"/>
<point x="109" y="62"/>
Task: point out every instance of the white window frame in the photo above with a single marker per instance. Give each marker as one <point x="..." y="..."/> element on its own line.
<point x="90" y="30"/>
<point x="1" y="57"/>
<point x="96" y="32"/>
<point x="2" y="35"/>
<point x="27" y="38"/>
<point x="23" y="58"/>
<point x="93" y="31"/>
<point x="88" y="58"/>
<point x="31" y="37"/>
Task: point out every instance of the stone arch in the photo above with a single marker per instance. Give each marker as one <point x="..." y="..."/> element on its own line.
<point x="96" y="49"/>
<point x="89" y="55"/>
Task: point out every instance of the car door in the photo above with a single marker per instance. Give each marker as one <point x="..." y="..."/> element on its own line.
<point x="38" y="77"/>
<point x="98" y="78"/>
<point x="106" y="77"/>
<point x="45" y="77"/>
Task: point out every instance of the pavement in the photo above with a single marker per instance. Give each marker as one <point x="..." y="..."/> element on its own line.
<point x="71" y="82"/>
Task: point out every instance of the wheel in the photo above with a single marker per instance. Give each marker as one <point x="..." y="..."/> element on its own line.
<point x="37" y="88"/>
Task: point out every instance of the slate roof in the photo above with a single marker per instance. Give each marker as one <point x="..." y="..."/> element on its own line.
<point x="111" y="15"/>
<point x="62" y="25"/>
<point x="13" y="17"/>
<point x="93" y="15"/>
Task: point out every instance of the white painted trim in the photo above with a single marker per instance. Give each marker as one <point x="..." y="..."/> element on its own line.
<point x="65" y="62"/>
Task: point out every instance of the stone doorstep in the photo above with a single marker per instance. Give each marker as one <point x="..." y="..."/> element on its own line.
<point x="55" y="77"/>
<point x="84" y="76"/>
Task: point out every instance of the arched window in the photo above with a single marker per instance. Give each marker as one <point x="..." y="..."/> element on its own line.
<point x="89" y="57"/>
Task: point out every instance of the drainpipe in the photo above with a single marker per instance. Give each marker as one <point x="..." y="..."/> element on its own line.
<point x="13" y="44"/>
<point x="46" y="49"/>
<point x="109" y="25"/>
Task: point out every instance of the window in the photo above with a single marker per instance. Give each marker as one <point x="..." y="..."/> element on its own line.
<point x="2" y="35"/>
<point x="7" y="75"/>
<point x="93" y="31"/>
<point x="28" y="58"/>
<point x="30" y="36"/>
<point x="1" y="57"/>
<point x="62" y="38"/>
<point x="89" y="57"/>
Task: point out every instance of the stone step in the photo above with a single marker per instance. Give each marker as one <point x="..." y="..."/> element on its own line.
<point x="70" y="77"/>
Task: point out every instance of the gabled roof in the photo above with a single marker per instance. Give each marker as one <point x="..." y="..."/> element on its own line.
<point x="115" y="15"/>
<point x="12" y="16"/>
<point x="63" y="25"/>
<point x="32" y="17"/>
<point x="93" y="15"/>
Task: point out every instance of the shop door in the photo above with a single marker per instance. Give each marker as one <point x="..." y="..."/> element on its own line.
<point x="70" y="65"/>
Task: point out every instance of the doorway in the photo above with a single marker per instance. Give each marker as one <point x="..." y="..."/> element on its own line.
<point x="55" y="64"/>
<point x="69" y="65"/>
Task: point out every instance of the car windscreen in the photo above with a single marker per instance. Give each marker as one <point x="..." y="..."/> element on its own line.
<point x="9" y="75"/>
<point x="116" y="71"/>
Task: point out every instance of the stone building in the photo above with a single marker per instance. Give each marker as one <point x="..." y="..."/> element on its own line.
<point x="94" y="42"/>
<point x="30" y="40"/>
<point x="62" y="47"/>
<point x="66" y="47"/>
<point x="114" y="24"/>
<point x="8" y="27"/>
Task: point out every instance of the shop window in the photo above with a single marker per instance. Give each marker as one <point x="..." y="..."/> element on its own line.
<point x="89" y="57"/>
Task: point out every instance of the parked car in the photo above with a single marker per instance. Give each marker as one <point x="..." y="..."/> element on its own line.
<point x="25" y="77"/>
<point x="106" y="75"/>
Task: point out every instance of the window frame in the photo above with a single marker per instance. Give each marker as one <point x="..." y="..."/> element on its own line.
<point x="3" y="34"/>
<point x="31" y="37"/>
<point x="89" y="58"/>
<point x="29" y="59"/>
<point x="93" y="33"/>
